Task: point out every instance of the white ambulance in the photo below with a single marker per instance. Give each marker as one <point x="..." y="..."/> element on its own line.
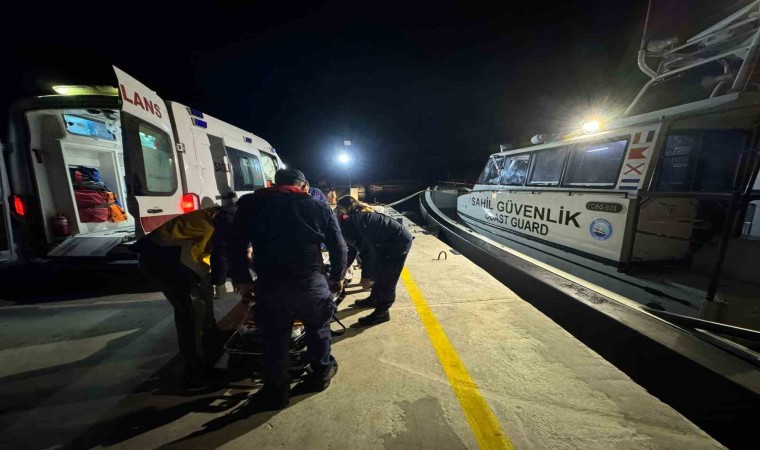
<point x="88" y="171"/>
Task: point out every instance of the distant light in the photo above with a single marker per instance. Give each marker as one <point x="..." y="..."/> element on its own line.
<point x="85" y="90"/>
<point x="593" y="126"/>
<point x="344" y="158"/>
<point x="347" y="143"/>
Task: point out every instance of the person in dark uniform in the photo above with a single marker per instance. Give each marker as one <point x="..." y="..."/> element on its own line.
<point x="286" y="227"/>
<point x="391" y="242"/>
<point x="186" y="258"/>
<point x="315" y="192"/>
<point x="363" y="252"/>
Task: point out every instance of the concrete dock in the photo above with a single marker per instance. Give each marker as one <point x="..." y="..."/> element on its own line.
<point x="464" y="363"/>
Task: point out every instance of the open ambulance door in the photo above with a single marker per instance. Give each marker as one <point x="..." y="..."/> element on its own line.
<point x="154" y="194"/>
<point x="7" y="249"/>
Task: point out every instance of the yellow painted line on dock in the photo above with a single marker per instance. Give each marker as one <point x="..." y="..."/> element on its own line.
<point x="481" y="418"/>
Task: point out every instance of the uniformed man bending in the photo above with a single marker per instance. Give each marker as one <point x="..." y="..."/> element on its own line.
<point x="286" y="226"/>
<point x="390" y="242"/>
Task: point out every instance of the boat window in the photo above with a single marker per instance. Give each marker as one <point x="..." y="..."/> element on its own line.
<point x="547" y="166"/>
<point x="701" y="160"/>
<point x="595" y="165"/>
<point x="160" y="175"/>
<point x="492" y="172"/>
<point x="514" y="170"/>
<point x="246" y="170"/>
<point x="269" y="165"/>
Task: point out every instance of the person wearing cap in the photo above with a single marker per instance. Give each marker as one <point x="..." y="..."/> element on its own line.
<point x="315" y="192"/>
<point x="186" y="257"/>
<point x="286" y="227"/>
<point x="390" y="242"/>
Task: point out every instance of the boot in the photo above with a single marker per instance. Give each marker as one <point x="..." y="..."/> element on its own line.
<point x="273" y="397"/>
<point x="368" y="302"/>
<point x="377" y="316"/>
<point x="366" y="284"/>
<point x="318" y="382"/>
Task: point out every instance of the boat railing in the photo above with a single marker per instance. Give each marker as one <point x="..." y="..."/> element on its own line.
<point x="735" y="37"/>
<point x="453" y="185"/>
<point x="742" y="342"/>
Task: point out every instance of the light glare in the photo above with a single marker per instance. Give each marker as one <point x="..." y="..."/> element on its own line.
<point x="85" y="90"/>
<point x="592" y="126"/>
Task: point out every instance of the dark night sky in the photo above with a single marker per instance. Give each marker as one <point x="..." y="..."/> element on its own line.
<point x="423" y="90"/>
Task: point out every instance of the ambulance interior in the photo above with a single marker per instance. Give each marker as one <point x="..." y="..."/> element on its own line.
<point x="78" y="164"/>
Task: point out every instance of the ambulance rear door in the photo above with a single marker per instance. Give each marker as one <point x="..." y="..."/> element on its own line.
<point x="150" y="157"/>
<point x="7" y="250"/>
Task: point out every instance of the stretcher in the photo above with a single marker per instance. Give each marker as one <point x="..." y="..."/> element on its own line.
<point x="245" y="347"/>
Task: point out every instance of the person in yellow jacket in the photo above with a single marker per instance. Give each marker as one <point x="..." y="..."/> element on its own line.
<point x="186" y="257"/>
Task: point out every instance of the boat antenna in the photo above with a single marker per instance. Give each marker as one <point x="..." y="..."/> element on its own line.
<point x="641" y="57"/>
<point x="646" y="24"/>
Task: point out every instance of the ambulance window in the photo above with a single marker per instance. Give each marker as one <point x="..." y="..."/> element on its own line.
<point x="514" y="170"/>
<point x="269" y="165"/>
<point x="83" y="126"/>
<point x="492" y="172"/>
<point x="250" y="169"/>
<point x="160" y="176"/>
<point x="595" y="165"/>
<point x="547" y="167"/>
<point x="246" y="170"/>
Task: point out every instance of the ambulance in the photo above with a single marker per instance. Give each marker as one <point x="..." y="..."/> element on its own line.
<point x="86" y="172"/>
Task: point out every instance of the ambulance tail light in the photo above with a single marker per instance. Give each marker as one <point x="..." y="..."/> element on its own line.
<point x="190" y="202"/>
<point x="18" y="206"/>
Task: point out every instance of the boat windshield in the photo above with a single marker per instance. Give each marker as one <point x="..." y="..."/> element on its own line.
<point x="492" y="171"/>
<point x="505" y="170"/>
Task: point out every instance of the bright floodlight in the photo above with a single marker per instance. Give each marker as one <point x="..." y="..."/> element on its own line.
<point x="343" y="158"/>
<point x="592" y="126"/>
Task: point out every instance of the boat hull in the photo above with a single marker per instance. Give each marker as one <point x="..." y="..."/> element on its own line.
<point x="438" y="208"/>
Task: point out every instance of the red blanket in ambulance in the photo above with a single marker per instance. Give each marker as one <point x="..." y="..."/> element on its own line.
<point x="98" y="206"/>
